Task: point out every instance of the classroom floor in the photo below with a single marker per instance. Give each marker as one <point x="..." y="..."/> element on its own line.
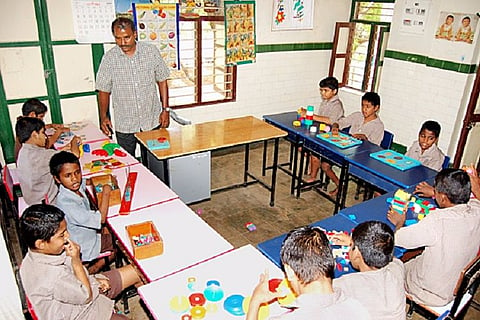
<point x="227" y="212"/>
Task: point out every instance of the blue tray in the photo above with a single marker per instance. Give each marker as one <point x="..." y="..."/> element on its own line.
<point x="395" y="159"/>
<point x="343" y="140"/>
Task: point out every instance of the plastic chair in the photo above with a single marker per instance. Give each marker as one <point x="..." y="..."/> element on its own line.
<point x="446" y="162"/>
<point x="467" y="285"/>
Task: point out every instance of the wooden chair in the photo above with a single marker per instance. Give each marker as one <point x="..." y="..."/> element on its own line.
<point x="467" y="285"/>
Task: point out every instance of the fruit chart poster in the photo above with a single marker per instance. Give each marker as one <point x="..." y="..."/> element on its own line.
<point x="240" y="32"/>
<point x="158" y="25"/>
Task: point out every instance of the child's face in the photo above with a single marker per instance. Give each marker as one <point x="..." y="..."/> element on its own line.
<point x="449" y="20"/>
<point x="369" y="111"/>
<point x="327" y="93"/>
<point x="56" y="244"/>
<point x="70" y="176"/>
<point x="426" y="139"/>
<point x="39" y="138"/>
<point x="465" y="22"/>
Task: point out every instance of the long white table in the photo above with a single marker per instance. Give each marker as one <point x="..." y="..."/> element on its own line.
<point x="236" y="271"/>
<point x="187" y="239"/>
<point x="149" y="190"/>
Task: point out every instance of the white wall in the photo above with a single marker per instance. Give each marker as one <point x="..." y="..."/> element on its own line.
<point x="412" y="93"/>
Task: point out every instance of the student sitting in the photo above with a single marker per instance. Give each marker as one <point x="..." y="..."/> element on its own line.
<point x="425" y="149"/>
<point x="379" y="284"/>
<point x="32" y="164"/>
<point x="34" y="108"/>
<point x="308" y="265"/>
<point x="53" y="276"/>
<point x="329" y="111"/>
<point x="449" y="235"/>
<point x="365" y="125"/>
<point x="84" y="224"/>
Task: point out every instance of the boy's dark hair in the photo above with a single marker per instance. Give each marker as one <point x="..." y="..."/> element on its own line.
<point x="33" y="105"/>
<point x="59" y="159"/>
<point x="123" y="23"/>
<point x="372" y="97"/>
<point x="451" y="16"/>
<point x="455" y="184"/>
<point x="306" y="250"/>
<point x="40" y="222"/>
<point x="466" y="18"/>
<point x="432" y="126"/>
<point x="329" y="82"/>
<point x="375" y="241"/>
<point x="25" y="126"/>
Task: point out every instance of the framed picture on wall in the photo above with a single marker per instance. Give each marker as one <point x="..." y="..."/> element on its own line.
<point x="292" y="15"/>
<point x="240" y="32"/>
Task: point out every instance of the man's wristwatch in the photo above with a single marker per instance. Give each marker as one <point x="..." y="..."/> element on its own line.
<point x="166" y="109"/>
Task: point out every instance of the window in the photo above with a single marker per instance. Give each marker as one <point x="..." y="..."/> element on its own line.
<point x="203" y="77"/>
<point x="359" y="64"/>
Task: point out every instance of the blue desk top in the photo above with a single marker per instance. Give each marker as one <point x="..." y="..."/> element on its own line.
<point x="402" y="179"/>
<point x="285" y="122"/>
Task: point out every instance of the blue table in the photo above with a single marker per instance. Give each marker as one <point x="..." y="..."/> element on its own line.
<point x="337" y="155"/>
<point x="271" y="248"/>
<point x="384" y="176"/>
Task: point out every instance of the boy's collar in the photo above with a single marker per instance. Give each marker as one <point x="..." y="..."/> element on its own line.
<point x="50" y="259"/>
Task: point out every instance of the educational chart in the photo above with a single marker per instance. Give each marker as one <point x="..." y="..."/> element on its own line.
<point x="292" y="15"/>
<point x="158" y="25"/>
<point x="240" y="32"/>
<point x="92" y="20"/>
<point x="395" y="159"/>
<point x="342" y="141"/>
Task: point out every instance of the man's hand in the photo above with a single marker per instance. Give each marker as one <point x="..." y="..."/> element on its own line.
<point x="396" y="218"/>
<point x="425" y="190"/>
<point x="106" y="126"/>
<point x="164" y="119"/>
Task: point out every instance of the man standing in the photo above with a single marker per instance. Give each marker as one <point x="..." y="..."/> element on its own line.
<point x="130" y="73"/>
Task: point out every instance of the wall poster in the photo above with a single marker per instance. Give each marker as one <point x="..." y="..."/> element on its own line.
<point x="92" y="20"/>
<point x="414" y="16"/>
<point x="158" y="25"/>
<point x="456" y="27"/>
<point x="292" y="15"/>
<point x="240" y="32"/>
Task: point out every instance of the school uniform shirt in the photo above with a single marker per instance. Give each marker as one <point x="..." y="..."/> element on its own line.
<point x="373" y="130"/>
<point x="333" y="109"/>
<point x="83" y="224"/>
<point x="132" y="82"/>
<point x="451" y="240"/>
<point x="33" y="169"/>
<point x="380" y="291"/>
<point x="433" y="157"/>
<point x="55" y="292"/>
<point x="325" y="306"/>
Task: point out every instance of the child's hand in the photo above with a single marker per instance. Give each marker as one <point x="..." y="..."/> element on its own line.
<point x="359" y="136"/>
<point x="341" y="239"/>
<point x="262" y="294"/>
<point x="303" y="112"/>
<point x="76" y="140"/>
<point x="425" y="190"/>
<point x="106" y="189"/>
<point x="474" y="180"/>
<point x="72" y="249"/>
<point x="396" y="218"/>
<point x="103" y="285"/>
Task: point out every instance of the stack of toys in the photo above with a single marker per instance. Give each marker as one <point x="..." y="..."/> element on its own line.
<point x="309" y="116"/>
<point x="403" y="201"/>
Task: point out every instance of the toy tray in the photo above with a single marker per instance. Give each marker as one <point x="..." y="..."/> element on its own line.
<point x="155" y="144"/>
<point x="395" y="159"/>
<point x="343" y="140"/>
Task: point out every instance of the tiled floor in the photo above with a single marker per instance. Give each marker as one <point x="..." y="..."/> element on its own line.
<point x="227" y="212"/>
